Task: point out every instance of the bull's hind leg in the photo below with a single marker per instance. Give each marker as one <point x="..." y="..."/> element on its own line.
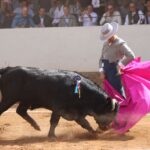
<point x="53" y="122"/>
<point x="22" y="111"/>
<point x="6" y="104"/>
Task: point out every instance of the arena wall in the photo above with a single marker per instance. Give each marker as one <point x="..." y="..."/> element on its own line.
<point x="65" y="48"/>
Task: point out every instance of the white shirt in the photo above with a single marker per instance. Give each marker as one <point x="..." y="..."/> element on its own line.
<point x="96" y="3"/>
<point x="87" y="21"/>
<point x="42" y="22"/>
<point x="58" y="13"/>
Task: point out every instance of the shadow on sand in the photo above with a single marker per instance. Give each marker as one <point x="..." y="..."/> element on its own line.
<point x="65" y="138"/>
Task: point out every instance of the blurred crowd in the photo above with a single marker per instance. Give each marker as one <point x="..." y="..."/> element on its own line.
<point x="68" y="13"/>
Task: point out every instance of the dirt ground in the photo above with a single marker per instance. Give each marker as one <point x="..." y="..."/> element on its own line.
<point x="17" y="134"/>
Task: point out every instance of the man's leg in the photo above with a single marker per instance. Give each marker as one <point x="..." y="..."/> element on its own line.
<point x="114" y="78"/>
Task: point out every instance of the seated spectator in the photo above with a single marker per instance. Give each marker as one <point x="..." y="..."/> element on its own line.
<point x="42" y="20"/>
<point x="134" y="15"/>
<point x="102" y="10"/>
<point x="111" y="15"/>
<point x="75" y="8"/>
<point x="52" y="9"/>
<point x="123" y="9"/>
<point x="7" y="17"/>
<point x="147" y="14"/>
<point x="24" y="20"/>
<point x="23" y="3"/>
<point x="88" y="17"/>
<point x="96" y="6"/>
<point x="67" y="20"/>
<point x="58" y="13"/>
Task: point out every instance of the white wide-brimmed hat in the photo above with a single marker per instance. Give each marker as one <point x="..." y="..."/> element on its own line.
<point x="108" y="30"/>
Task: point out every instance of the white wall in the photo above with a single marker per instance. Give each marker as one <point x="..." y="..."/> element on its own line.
<point x="65" y="48"/>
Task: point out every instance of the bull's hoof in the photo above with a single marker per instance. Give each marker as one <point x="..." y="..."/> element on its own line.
<point x="52" y="137"/>
<point x="98" y="130"/>
<point x="93" y="132"/>
<point x="37" y="128"/>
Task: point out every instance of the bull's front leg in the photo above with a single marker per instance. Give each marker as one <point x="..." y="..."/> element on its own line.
<point x="85" y="124"/>
<point x="53" y="123"/>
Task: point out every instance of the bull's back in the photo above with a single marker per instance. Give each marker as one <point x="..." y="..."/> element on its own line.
<point x="46" y="88"/>
<point x="40" y="85"/>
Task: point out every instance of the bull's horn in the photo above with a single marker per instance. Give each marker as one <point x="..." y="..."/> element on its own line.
<point x="114" y="101"/>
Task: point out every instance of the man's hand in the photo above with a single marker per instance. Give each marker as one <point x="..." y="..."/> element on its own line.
<point x="119" y="70"/>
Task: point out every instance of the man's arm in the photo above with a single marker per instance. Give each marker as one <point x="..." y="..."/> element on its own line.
<point x="127" y="53"/>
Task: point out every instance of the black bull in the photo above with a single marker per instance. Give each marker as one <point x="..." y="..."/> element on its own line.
<point x="54" y="90"/>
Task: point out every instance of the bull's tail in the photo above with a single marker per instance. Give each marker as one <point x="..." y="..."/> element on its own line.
<point x="4" y="70"/>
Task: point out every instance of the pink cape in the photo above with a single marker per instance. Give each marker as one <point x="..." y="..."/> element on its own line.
<point x="136" y="83"/>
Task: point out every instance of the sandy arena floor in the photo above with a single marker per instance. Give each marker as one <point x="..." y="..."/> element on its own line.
<point x="17" y="134"/>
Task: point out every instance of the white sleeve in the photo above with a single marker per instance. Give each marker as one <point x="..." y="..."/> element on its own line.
<point x="102" y="21"/>
<point x="96" y="3"/>
<point x="126" y="20"/>
<point x="141" y="16"/>
<point x="93" y="2"/>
